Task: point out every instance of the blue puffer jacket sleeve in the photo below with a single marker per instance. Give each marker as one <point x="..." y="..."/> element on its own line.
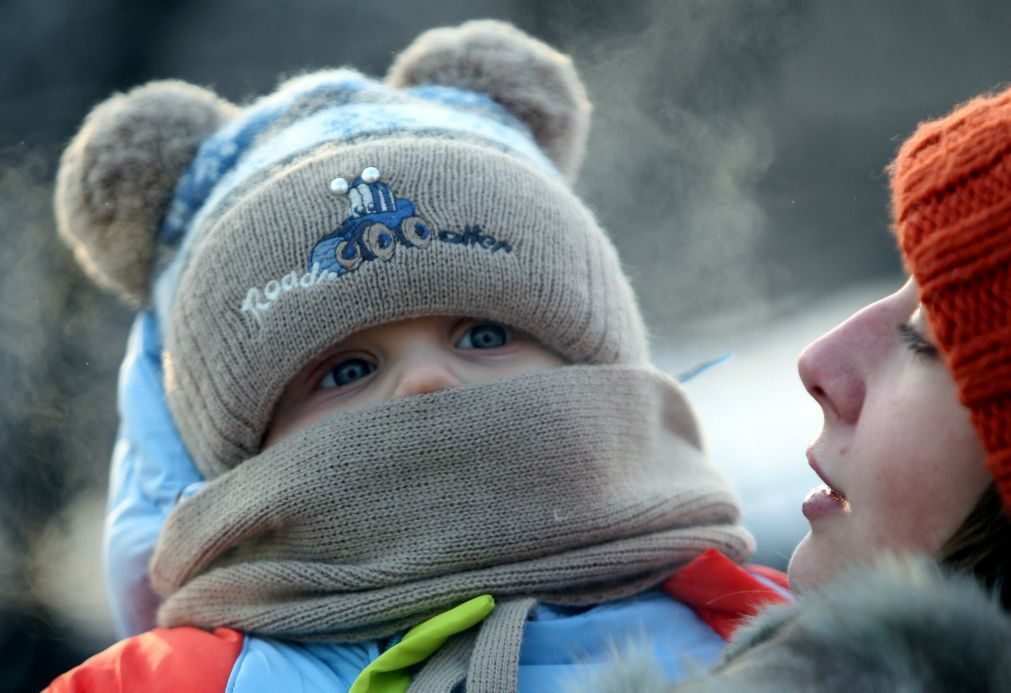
<point x="151" y="470"/>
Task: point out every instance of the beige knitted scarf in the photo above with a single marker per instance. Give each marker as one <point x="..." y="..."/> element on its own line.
<point x="574" y="486"/>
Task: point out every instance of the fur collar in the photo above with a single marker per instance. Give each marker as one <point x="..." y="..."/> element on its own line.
<point x="902" y="626"/>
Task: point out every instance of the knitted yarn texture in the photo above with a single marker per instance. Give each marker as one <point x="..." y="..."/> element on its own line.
<point x="257" y="300"/>
<point x="340" y="202"/>
<point x="574" y="485"/>
<point x="951" y="196"/>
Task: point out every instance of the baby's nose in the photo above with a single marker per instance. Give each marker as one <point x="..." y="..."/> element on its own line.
<point x="420" y="378"/>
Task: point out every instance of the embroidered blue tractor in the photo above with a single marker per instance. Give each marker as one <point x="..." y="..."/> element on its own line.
<point x="377" y="224"/>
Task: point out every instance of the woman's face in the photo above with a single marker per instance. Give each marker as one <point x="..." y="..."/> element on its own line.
<point x="900" y="459"/>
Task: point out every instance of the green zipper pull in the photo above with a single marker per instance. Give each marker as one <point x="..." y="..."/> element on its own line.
<point x="387" y="673"/>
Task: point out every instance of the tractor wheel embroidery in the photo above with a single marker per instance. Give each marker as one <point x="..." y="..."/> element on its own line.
<point x="378" y="223"/>
<point x="415" y="232"/>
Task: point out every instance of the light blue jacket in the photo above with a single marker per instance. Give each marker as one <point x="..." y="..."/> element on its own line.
<point x="559" y="649"/>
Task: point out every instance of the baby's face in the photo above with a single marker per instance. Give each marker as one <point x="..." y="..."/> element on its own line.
<point x="398" y="359"/>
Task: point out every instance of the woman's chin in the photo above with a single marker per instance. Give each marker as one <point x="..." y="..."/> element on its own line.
<point x="811" y="564"/>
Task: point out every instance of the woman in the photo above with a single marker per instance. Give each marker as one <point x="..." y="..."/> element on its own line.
<point x="915" y="452"/>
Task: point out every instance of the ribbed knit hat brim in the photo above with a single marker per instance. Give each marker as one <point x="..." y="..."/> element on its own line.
<point x="951" y="196"/>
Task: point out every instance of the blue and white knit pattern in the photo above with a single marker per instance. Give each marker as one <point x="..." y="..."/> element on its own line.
<point x="349" y="107"/>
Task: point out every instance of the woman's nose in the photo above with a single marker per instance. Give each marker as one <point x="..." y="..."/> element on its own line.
<point x="829" y="369"/>
<point x="420" y="376"/>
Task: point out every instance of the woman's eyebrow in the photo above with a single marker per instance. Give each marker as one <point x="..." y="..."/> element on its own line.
<point x="919" y="322"/>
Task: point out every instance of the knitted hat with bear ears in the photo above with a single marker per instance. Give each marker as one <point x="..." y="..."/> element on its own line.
<point x="265" y="234"/>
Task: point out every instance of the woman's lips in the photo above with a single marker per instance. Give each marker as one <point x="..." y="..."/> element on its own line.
<point x="823" y="500"/>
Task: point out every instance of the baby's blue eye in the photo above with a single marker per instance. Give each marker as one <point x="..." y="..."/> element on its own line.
<point x="346" y="372"/>
<point x="485" y="335"/>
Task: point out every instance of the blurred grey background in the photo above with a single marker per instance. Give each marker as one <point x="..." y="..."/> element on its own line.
<point x="737" y="159"/>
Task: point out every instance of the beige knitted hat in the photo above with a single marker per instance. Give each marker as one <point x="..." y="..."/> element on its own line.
<point x="263" y="235"/>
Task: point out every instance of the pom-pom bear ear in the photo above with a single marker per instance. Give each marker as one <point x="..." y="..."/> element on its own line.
<point x="117" y="177"/>
<point x="532" y="80"/>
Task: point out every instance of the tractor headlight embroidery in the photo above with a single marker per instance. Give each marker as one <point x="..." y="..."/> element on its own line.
<point x="379" y="222"/>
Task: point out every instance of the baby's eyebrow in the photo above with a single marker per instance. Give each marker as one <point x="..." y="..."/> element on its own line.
<point x="311" y="368"/>
<point x="320" y="360"/>
<point x="331" y="351"/>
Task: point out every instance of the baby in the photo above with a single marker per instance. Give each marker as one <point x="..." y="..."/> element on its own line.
<point x="389" y="420"/>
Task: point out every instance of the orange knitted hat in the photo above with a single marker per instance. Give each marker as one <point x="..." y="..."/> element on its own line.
<point x="951" y="198"/>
